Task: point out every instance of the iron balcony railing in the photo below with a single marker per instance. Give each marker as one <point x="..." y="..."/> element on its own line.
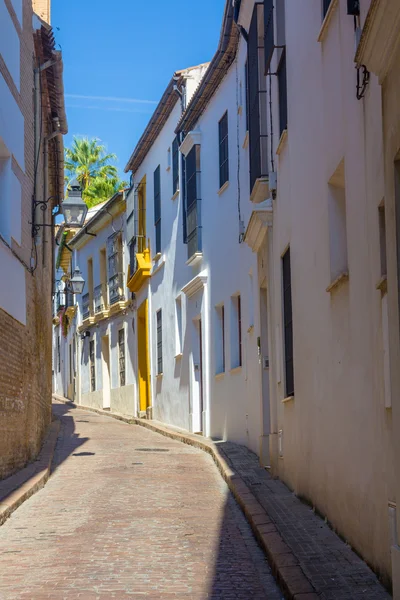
<point x="100" y="298"/>
<point x="116" y="288"/>
<point x="193" y="219"/>
<point x="85" y="306"/>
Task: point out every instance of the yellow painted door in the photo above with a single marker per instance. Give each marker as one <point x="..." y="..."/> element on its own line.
<point x="143" y="357"/>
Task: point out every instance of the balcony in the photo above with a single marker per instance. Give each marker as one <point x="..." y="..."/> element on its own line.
<point x="140" y="268"/>
<point x="70" y="305"/>
<point x="100" y="302"/>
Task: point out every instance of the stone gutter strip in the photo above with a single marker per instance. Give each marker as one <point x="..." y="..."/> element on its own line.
<point x="283" y="562"/>
<point x="19" y="487"/>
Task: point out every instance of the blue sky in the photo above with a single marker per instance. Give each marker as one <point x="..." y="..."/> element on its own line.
<point x="119" y="57"/>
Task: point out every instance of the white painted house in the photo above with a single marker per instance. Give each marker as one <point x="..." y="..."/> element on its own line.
<point x="94" y="332"/>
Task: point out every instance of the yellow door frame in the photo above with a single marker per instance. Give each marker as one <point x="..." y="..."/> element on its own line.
<point x="143" y="356"/>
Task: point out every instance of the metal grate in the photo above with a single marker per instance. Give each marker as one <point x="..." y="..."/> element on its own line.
<point x="159" y="344"/>
<point x="85" y="306"/>
<point x="193" y="202"/>
<point x="92" y="367"/>
<point x="121" y="356"/>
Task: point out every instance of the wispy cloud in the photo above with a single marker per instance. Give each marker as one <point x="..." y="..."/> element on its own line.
<point x="109" y="108"/>
<point x="110" y="99"/>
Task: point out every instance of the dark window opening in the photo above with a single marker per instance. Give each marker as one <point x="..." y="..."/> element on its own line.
<point x="282" y="87"/>
<point x="193" y="201"/>
<point x="325" y="6"/>
<point x="159" y="344"/>
<point x="288" y="323"/>
<point x="175" y="166"/>
<point x="269" y="43"/>
<point x="92" y="367"/>
<point x="223" y="150"/>
<point x="239" y="315"/>
<point x="157" y="208"/>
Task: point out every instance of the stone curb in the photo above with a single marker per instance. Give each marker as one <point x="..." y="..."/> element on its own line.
<point x="284" y="563"/>
<point x="22" y="485"/>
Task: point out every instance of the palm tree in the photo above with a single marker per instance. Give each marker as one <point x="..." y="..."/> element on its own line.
<point x="88" y="161"/>
<point x="103" y="189"/>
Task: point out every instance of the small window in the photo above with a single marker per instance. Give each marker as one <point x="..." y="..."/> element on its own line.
<point x="121" y="356"/>
<point x="159" y="343"/>
<point x="175" y="165"/>
<point x="178" y="326"/>
<point x="220" y="339"/>
<point x="157" y="208"/>
<point x="288" y="323"/>
<point x="223" y="151"/>
<point x="92" y="367"/>
<point x="382" y="239"/>
<point x="282" y="88"/>
<point x="236" y="332"/>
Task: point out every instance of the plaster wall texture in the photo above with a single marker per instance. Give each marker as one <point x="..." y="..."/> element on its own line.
<point x="336" y="433"/>
<point x="25" y="317"/>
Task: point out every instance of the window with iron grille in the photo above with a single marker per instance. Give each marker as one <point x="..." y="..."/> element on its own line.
<point x="193" y="202"/>
<point x="115" y="275"/>
<point x="121" y="356"/>
<point x="85" y="306"/>
<point x="288" y="323"/>
<point x="282" y="87"/>
<point x="183" y="196"/>
<point x="157" y="208"/>
<point x="175" y="166"/>
<point x="325" y="6"/>
<point x="92" y="367"/>
<point x="268" y="32"/>
<point x="220" y="340"/>
<point x="159" y="343"/>
<point x="257" y="94"/>
<point x="236" y="332"/>
<point x="223" y="150"/>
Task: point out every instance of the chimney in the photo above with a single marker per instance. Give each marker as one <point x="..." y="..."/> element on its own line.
<point x="42" y="9"/>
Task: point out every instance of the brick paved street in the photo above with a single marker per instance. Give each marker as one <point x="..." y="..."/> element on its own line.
<point x="128" y="513"/>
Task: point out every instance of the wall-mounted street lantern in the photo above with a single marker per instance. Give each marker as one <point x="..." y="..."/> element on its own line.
<point x="77" y="282"/>
<point x="74" y="208"/>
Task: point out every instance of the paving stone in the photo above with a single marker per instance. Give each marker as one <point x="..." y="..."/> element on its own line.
<point x="333" y="569"/>
<point x="116" y="522"/>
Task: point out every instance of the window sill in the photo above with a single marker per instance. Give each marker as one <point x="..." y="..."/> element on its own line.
<point x="219" y="376"/>
<point x="382" y="285"/>
<point x="250" y="329"/>
<point x="288" y="399"/>
<point x="325" y="23"/>
<point x="223" y="188"/>
<point x="336" y="282"/>
<point x="282" y="142"/>
<point x="174" y="197"/>
<point x="158" y="266"/>
<point x="236" y="370"/>
<point x="178" y="356"/>
<point x="157" y="257"/>
<point x="246" y="140"/>
<point x="159" y="375"/>
<point x="168" y="168"/>
<point x="195" y="259"/>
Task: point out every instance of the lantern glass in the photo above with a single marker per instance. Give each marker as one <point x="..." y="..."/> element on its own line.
<point x="74" y="208"/>
<point x="77" y="282"/>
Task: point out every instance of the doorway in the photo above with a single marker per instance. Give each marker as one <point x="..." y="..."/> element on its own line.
<point x="105" y="364"/>
<point x="265" y="364"/>
<point x="197" y="407"/>
<point x="143" y="357"/>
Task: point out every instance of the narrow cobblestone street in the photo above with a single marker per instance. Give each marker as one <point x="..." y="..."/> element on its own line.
<point x="128" y="513"/>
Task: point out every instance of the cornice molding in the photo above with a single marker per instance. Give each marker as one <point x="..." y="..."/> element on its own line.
<point x="192" y="138"/>
<point x="195" y="284"/>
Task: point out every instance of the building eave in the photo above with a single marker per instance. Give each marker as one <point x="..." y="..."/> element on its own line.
<point x="218" y="68"/>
